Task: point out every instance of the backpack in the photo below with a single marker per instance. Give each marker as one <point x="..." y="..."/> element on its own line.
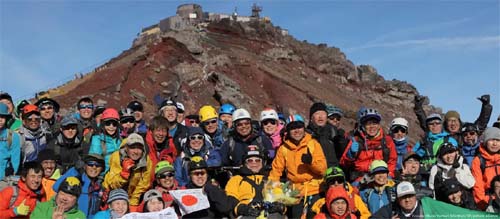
<point x="482" y="163"/>
<point x="11" y="181"/>
<point x="385" y="150"/>
<point x="232" y="144"/>
<point x="259" y="188"/>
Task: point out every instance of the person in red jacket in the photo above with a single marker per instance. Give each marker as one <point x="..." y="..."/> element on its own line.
<point x="19" y="201"/>
<point x="337" y="204"/>
<point x="367" y="144"/>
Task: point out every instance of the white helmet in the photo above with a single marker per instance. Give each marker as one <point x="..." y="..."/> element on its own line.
<point x="399" y="121"/>
<point x="268" y="114"/>
<point x="241" y="114"/>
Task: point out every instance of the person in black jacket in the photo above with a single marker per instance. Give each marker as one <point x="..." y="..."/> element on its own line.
<point x="67" y="145"/>
<point x="325" y="134"/>
<point x="456" y="195"/>
<point x="406" y="205"/>
<point x="220" y="204"/>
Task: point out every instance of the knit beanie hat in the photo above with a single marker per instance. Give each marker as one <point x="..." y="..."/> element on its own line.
<point x="491" y="133"/>
<point x="47" y="154"/>
<point x="318" y="106"/>
<point x="451" y="114"/>
<point x="117" y="194"/>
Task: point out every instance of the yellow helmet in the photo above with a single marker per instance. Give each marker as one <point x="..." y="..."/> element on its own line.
<point x="207" y="112"/>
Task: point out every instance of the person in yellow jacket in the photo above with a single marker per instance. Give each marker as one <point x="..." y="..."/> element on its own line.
<point x="246" y="189"/>
<point x="130" y="169"/>
<point x="335" y="177"/>
<point x="303" y="159"/>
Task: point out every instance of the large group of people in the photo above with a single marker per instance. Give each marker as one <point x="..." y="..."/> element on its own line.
<point x="104" y="162"/>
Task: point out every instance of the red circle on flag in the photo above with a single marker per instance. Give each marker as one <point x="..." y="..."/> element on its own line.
<point x="189" y="200"/>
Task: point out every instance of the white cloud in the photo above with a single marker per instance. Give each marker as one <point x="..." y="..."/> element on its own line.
<point x="477" y="42"/>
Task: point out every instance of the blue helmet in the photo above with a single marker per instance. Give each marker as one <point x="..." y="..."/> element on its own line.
<point x="369" y="113"/>
<point x="295" y="118"/>
<point x="227" y="108"/>
<point x="4" y="110"/>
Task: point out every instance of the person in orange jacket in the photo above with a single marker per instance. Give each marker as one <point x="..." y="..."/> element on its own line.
<point x="29" y="192"/>
<point x="337" y="204"/>
<point x="51" y="173"/>
<point x="485" y="166"/>
<point x="335" y="177"/>
<point x="303" y="158"/>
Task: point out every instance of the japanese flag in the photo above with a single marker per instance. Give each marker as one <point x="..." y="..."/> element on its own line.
<point x="190" y="200"/>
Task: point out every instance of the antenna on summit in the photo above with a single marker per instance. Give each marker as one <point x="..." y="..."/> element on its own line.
<point x="256" y="10"/>
<point x="235" y="13"/>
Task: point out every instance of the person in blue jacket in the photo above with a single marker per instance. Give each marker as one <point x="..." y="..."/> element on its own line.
<point x="428" y="147"/>
<point x="118" y="205"/>
<point x="108" y="141"/>
<point x="91" y="194"/>
<point x="10" y="145"/>
<point x="195" y="145"/>
<point x="140" y="124"/>
<point x="470" y="146"/>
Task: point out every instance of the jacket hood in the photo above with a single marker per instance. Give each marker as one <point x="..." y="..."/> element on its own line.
<point x="141" y="163"/>
<point x="303" y="143"/>
<point x="487" y="155"/>
<point x="434" y="137"/>
<point x="333" y="194"/>
<point x="24" y="188"/>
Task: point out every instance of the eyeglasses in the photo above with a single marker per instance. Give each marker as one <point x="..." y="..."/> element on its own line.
<point x="210" y="122"/>
<point x="69" y="127"/>
<point x="196" y="137"/>
<point x="269" y="121"/>
<point x="111" y="123"/>
<point x="434" y="123"/>
<point x="86" y="106"/>
<point x="253" y="160"/>
<point x="198" y="173"/>
<point x="93" y="164"/>
<point x="239" y="124"/>
<point x="398" y="129"/>
<point x="165" y="175"/>
<point x="471" y="133"/>
<point x="46" y="108"/>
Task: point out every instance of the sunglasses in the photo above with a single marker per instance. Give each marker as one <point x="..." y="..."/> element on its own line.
<point x="196" y="137"/>
<point x="69" y="127"/>
<point x="33" y="118"/>
<point x="239" y="124"/>
<point x="86" y="106"/>
<point x="334" y="117"/>
<point x="335" y="181"/>
<point x="165" y="175"/>
<point x="93" y="164"/>
<point x="47" y="108"/>
<point x="253" y="160"/>
<point x="398" y="129"/>
<point x="111" y="123"/>
<point x="128" y="120"/>
<point x="192" y="121"/>
<point x="471" y="133"/>
<point x="271" y="121"/>
<point x="198" y="173"/>
<point x="210" y="122"/>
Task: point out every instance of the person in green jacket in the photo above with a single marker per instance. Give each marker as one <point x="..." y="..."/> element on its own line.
<point x="64" y="204"/>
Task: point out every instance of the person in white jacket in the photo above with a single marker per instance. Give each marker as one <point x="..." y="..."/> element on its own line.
<point x="450" y="164"/>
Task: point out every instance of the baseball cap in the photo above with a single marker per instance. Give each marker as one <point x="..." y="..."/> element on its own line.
<point x="405" y="188"/>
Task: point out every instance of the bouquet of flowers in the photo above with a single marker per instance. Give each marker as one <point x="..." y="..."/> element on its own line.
<point x="281" y="192"/>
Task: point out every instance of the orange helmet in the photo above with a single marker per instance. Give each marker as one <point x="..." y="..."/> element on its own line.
<point x="110" y="114"/>
<point x="30" y="109"/>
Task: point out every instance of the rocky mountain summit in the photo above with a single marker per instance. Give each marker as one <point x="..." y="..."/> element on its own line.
<point x="252" y="64"/>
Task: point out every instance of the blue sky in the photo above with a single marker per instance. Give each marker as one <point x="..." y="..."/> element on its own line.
<point x="450" y="50"/>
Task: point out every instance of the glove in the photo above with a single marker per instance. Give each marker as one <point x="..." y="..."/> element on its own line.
<point x="127" y="164"/>
<point x="22" y="209"/>
<point x="307" y="157"/>
<point x="247" y="210"/>
<point x="277" y="207"/>
<point x="354" y="149"/>
<point x="485" y="99"/>
<point x="419" y="100"/>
